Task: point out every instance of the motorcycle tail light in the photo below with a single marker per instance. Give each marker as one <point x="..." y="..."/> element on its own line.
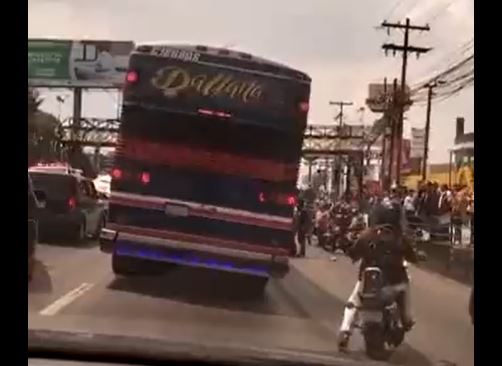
<point x="371" y="281"/>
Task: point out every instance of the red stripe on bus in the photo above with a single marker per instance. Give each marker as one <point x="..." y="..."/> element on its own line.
<point x="192" y="238"/>
<point x="180" y="156"/>
<point x="200" y="212"/>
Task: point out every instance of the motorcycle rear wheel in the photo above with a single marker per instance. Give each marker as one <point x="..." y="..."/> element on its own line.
<point x="374" y="342"/>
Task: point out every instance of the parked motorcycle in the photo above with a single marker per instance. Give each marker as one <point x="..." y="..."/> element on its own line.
<point x="328" y="238"/>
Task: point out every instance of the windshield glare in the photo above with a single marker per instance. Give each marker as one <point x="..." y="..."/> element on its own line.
<point x="228" y="158"/>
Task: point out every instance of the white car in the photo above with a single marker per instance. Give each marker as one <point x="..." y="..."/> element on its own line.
<point x="102" y="184"/>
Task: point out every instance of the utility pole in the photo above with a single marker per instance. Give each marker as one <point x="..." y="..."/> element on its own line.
<point x="430" y="87"/>
<point x="393" y="133"/>
<point x="341" y="105"/>
<point x="405" y="48"/>
<point x="337" y="163"/>
<point x="383" y="170"/>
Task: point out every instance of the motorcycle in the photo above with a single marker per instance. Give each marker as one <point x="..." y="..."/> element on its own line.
<point x="327" y="239"/>
<point x="379" y="316"/>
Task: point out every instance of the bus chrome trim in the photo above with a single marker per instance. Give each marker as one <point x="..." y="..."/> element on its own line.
<point x="202" y="210"/>
<point x="199" y="241"/>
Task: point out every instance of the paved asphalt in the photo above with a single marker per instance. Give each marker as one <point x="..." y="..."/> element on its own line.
<point x="75" y="286"/>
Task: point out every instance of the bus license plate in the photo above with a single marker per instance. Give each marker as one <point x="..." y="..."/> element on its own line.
<point x="371" y="316"/>
<point x="175" y="210"/>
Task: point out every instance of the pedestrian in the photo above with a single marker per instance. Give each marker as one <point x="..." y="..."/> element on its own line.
<point x="445" y="198"/>
<point x="470" y="210"/>
<point x="445" y="205"/>
<point x="408" y="203"/>
<point x="302" y="226"/>
<point x="459" y="213"/>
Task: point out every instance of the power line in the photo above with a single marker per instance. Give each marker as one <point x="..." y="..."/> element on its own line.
<point x="463" y="63"/>
<point x="341" y="105"/>
<point x="441" y="10"/>
<point x="394" y="8"/>
<point x="452" y="57"/>
<point x="439" y="97"/>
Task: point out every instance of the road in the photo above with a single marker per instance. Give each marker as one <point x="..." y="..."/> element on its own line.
<point x="75" y="285"/>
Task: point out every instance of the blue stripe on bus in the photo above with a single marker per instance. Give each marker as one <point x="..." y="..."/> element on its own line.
<point x="129" y="249"/>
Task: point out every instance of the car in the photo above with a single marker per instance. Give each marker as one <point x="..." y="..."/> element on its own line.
<point x="36" y="202"/>
<point x="74" y="208"/>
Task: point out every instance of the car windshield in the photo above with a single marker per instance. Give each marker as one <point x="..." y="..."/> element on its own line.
<point x="224" y="158"/>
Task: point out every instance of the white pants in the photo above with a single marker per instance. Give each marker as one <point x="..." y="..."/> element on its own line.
<point x="354" y="302"/>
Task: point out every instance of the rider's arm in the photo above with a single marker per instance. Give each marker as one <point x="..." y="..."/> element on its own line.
<point x="357" y="251"/>
<point x="409" y="252"/>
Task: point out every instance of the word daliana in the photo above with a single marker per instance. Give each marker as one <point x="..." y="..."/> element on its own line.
<point x="174" y="80"/>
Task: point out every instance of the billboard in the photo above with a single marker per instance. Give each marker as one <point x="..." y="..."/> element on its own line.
<point x="379" y="95"/>
<point x="417" y="142"/>
<point x="406" y="161"/>
<point x="77" y="63"/>
<point x="405" y="157"/>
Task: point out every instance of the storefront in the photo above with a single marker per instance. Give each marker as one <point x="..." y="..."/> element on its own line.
<point x="462" y="158"/>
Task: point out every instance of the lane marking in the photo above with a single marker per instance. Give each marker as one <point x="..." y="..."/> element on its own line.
<point x="66" y="299"/>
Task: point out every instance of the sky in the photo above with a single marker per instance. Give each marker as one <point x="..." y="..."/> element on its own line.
<point x="337" y="42"/>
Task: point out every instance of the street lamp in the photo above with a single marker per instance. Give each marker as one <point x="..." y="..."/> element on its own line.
<point x="61" y="99"/>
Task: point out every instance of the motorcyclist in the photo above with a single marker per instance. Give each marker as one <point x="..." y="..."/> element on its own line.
<point x="383" y="244"/>
<point x="358" y="222"/>
<point x="322" y="220"/>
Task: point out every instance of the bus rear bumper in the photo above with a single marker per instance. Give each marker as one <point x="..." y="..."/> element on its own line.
<point x="194" y="255"/>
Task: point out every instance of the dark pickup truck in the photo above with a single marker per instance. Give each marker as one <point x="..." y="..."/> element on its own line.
<point x="36" y="201"/>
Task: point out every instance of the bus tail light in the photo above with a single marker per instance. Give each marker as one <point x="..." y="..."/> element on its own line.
<point x="117" y="173"/>
<point x="132" y="77"/>
<point x="303" y="107"/>
<point x="145" y="178"/>
<point x="292" y="201"/>
<point x="281" y="199"/>
<point x="286" y="199"/>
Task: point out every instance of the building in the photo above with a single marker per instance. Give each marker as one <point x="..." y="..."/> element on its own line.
<point x="462" y="156"/>
<point x="460" y="169"/>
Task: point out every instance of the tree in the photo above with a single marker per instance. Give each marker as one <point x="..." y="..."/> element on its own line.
<point x="43" y="138"/>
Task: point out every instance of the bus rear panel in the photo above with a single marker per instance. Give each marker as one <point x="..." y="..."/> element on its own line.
<point x="206" y="166"/>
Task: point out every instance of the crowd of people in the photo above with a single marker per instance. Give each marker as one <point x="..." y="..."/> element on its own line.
<point x="443" y="212"/>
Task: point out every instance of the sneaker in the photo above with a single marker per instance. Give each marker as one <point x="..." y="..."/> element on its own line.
<point x="343" y="341"/>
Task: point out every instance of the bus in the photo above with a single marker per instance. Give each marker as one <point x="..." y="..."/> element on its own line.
<point x="206" y="163"/>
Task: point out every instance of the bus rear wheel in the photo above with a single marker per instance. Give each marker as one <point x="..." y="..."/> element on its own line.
<point x="254" y="286"/>
<point x="125" y="266"/>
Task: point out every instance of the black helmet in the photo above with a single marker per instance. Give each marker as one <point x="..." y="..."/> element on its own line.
<point x="386" y="213"/>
